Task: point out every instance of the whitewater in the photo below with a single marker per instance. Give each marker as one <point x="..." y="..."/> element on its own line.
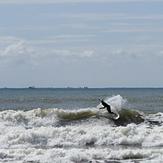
<point x="81" y="135"/>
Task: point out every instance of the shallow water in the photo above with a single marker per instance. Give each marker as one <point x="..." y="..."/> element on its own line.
<point x="54" y="133"/>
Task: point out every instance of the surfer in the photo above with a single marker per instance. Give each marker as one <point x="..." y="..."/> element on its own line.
<point x="107" y="106"/>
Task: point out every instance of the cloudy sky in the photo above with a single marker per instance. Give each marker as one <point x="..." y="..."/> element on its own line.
<point x="94" y="43"/>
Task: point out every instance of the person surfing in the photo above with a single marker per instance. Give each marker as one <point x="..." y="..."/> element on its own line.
<point x="108" y="108"/>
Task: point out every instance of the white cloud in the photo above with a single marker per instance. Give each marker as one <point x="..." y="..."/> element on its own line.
<point x="132" y="53"/>
<point x="15" y="50"/>
<point x="21" y="51"/>
<point x="71" y="1"/>
<point x="20" y="56"/>
<point x="92" y="24"/>
<point x="110" y="16"/>
<point x="7" y="40"/>
<point x="115" y="17"/>
<point x="73" y="53"/>
<point x="134" y="30"/>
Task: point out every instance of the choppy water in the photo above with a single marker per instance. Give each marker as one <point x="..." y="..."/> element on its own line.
<point x="149" y="100"/>
<point x="64" y="125"/>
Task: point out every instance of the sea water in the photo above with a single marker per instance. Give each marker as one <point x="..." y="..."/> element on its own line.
<point x="65" y="125"/>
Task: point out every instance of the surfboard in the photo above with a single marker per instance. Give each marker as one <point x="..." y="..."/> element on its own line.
<point x="105" y="114"/>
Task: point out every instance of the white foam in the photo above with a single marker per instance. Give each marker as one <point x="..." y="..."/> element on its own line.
<point x="34" y="136"/>
<point x="80" y="155"/>
<point x="116" y="101"/>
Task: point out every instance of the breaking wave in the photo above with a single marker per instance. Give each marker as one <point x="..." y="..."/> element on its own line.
<point x="46" y="117"/>
<point x="84" y="135"/>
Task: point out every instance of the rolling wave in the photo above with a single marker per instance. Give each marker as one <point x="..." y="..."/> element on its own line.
<point x="83" y="135"/>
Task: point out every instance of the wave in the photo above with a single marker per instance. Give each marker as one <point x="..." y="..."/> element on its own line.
<point x="84" y="135"/>
<point x="75" y="115"/>
<point x="34" y="136"/>
<point x="129" y="116"/>
<point x="56" y="117"/>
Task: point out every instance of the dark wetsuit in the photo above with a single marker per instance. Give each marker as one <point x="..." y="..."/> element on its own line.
<point x="107" y="106"/>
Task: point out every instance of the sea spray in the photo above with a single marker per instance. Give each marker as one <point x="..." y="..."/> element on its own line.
<point x="116" y="101"/>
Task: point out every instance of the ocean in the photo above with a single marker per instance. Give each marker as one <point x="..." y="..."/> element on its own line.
<point x="65" y="125"/>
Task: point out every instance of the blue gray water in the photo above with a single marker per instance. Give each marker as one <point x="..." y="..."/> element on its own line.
<point x="145" y="99"/>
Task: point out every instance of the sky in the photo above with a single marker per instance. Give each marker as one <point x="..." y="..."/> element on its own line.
<point x="77" y="43"/>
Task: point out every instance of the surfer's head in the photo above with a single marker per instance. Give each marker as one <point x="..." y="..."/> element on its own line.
<point x="105" y="104"/>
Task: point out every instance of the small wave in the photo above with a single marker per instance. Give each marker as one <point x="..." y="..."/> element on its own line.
<point x="44" y="117"/>
<point x="129" y="116"/>
<point x="75" y="115"/>
<point x="56" y="117"/>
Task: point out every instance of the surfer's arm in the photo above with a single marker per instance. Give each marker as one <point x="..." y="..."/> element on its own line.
<point x="102" y="108"/>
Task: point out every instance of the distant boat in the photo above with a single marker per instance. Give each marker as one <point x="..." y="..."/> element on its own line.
<point x="31" y="87"/>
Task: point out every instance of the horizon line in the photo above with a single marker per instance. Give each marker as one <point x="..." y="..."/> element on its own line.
<point x="117" y="87"/>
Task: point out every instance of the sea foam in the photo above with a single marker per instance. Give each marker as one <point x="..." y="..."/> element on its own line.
<point x="54" y="135"/>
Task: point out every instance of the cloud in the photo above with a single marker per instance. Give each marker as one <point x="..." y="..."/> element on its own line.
<point x="67" y="38"/>
<point x="134" y="30"/>
<point x="69" y="55"/>
<point x="127" y="54"/>
<point x="109" y="16"/>
<point x="160" y="54"/>
<point x="8" y="40"/>
<point x="71" y="1"/>
<point x="95" y="23"/>
<point x="75" y="53"/>
<point x="20" y="55"/>
<point x="17" y="51"/>
<point x="22" y="52"/>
